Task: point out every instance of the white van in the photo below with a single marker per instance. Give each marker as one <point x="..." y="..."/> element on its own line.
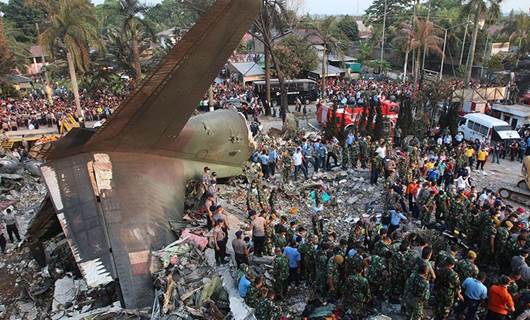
<point x="485" y="128"/>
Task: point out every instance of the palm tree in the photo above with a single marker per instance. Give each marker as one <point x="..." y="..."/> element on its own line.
<point x="273" y="22"/>
<point x="423" y="35"/>
<point x="72" y="28"/>
<point x="133" y="24"/>
<point x="518" y="29"/>
<point x="332" y="38"/>
<point x="488" y="10"/>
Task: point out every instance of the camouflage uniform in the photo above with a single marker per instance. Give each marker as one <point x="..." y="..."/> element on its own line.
<point x="354" y="154"/>
<point x="501" y="242"/>
<point x="441" y="206"/>
<point x="286" y="168"/>
<point x="376" y="276"/>
<point x="253" y="297"/>
<point x="280" y="241"/>
<point x="269" y="237"/>
<point x="321" y="272"/>
<point x="363" y="153"/>
<point x="280" y="273"/>
<point x="264" y="197"/>
<point x="380" y="248"/>
<point x="353" y="263"/>
<point x="266" y="310"/>
<point x="253" y="197"/>
<point x="333" y="274"/>
<point x="358" y="296"/>
<point x="344" y="156"/>
<point x="415" y="296"/>
<point x="466" y="269"/>
<point x="446" y="289"/>
<point x="488" y="231"/>
<point x="308" y="253"/>
<point x="397" y="272"/>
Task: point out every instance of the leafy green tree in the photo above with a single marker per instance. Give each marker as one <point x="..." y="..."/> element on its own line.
<point x="172" y="14"/>
<point x="517" y="27"/>
<point x="332" y="38"/>
<point x="23" y="16"/>
<point x="348" y="26"/>
<point x="273" y="18"/>
<point x="364" y="53"/>
<point x="131" y="14"/>
<point x="71" y="29"/>
<point x="422" y="36"/>
<point x="7" y="60"/>
<point x="295" y="55"/>
<point x="490" y="11"/>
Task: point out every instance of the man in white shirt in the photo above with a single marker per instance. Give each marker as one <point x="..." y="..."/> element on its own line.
<point x="381" y="151"/>
<point x="299" y="163"/>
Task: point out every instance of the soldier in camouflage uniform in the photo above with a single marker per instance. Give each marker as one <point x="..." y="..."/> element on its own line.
<point x="354" y="154"/>
<point x="333" y="272"/>
<point x="377" y="277"/>
<point x="363" y="151"/>
<point x="280" y="273"/>
<point x="264" y="197"/>
<point x="308" y="263"/>
<point x="321" y="269"/>
<point x="286" y="166"/>
<point x="466" y="268"/>
<point x="442" y="205"/>
<point x="254" y="295"/>
<point x="358" y="295"/>
<point x="266" y="309"/>
<point x="397" y="270"/>
<point x="253" y="196"/>
<point x="501" y="244"/>
<point x="269" y="234"/>
<point x="487" y="239"/>
<point x="446" y="290"/>
<point x="416" y="294"/>
<point x="344" y="156"/>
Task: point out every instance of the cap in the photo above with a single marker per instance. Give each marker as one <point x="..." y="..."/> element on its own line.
<point x="509" y="224"/>
<point x="520" y="210"/>
<point x="339" y="259"/>
<point x="471" y="254"/>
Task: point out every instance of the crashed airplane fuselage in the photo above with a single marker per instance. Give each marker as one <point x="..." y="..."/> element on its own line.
<point x="116" y="189"/>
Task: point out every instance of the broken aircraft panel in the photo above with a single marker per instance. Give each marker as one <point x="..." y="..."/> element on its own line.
<point x="116" y="189"/>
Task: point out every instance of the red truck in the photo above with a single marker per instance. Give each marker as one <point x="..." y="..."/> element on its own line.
<point x="352" y="115"/>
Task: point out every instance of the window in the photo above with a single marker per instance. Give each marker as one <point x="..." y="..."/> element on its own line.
<point x="470" y="124"/>
<point x="476" y="127"/>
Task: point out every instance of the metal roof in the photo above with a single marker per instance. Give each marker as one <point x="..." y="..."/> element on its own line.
<point x="248" y="69"/>
<point x="518" y="110"/>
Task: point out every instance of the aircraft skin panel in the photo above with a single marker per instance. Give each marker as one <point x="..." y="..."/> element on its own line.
<point x="157" y="112"/>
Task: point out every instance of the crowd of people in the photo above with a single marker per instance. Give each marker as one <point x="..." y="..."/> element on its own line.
<point x="35" y="110"/>
<point x="440" y="243"/>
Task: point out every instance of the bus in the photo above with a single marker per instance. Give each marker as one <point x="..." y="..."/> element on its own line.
<point x="305" y="89"/>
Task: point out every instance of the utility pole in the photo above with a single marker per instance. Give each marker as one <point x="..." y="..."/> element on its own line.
<point x="383" y="39"/>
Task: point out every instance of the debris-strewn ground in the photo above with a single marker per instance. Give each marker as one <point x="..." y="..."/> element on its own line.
<point x="186" y="279"/>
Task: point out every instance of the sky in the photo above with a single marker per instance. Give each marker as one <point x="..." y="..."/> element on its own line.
<point x="357" y="7"/>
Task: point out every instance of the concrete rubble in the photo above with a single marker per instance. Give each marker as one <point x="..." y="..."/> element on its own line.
<point x="187" y="282"/>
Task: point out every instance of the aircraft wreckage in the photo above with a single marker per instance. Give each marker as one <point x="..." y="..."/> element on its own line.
<point x="115" y="190"/>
